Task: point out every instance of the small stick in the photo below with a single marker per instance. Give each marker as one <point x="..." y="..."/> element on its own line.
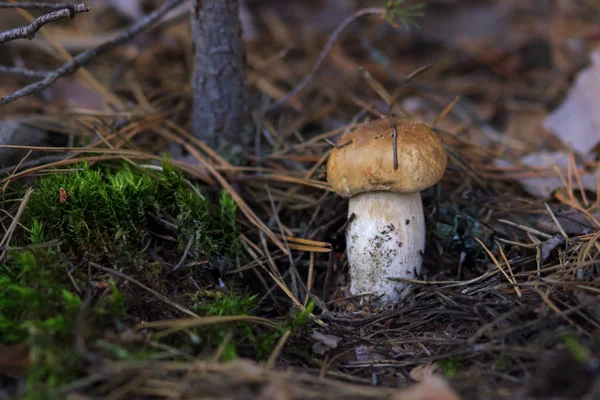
<point x="159" y="296"/>
<point x="24" y="73"/>
<point x="560" y="228"/>
<point x="13" y="226"/>
<point x="29" y="31"/>
<point x="185" y="253"/>
<point x="526" y="228"/>
<point x="289" y="253"/>
<point x="396" y="93"/>
<point x="495" y="261"/>
<point x="277" y="350"/>
<point x="323" y="55"/>
<point x="507" y="263"/>
<point x="338" y="146"/>
<point x="348" y="222"/>
<point x="37" y="6"/>
<point x="84" y="57"/>
<point x="445" y="112"/>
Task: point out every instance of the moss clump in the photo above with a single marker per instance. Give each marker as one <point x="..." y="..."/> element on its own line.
<point x="450" y="366"/>
<point x="39" y="305"/>
<point x="97" y="213"/>
<point x="242" y="336"/>
<point x="214" y="230"/>
<point x="49" y="294"/>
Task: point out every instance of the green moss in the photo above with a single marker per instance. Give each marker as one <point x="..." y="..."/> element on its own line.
<point x="50" y="295"/>
<point x="99" y="212"/>
<point x="241" y="336"/>
<point x="93" y="214"/>
<point x="40" y="306"/>
<point x="449" y="366"/>
<point x="574" y="346"/>
<point x="213" y="229"/>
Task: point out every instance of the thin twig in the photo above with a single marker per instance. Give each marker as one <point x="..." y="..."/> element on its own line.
<point x="289" y="253"/>
<point x="526" y="228"/>
<point x="345" y="226"/>
<point x="445" y="112"/>
<point x="277" y="350"/>
<point x="140" y="284"/>
<point x="27" y="32"/>
<point x="87" y="301"/>
<point x="37" y="6"/>
<point x="24" y="73"/>
<point x="11" y="229"/>
<point x="338" y="146"/>
<point x="396" y="93"/>
<point x="323" y="55"/>
<point x="83" y="58"/>
<point x="185" y="253"/>
<point x="557" y="223"/>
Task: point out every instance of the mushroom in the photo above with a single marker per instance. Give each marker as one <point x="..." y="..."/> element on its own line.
<point x="385" y="236"/>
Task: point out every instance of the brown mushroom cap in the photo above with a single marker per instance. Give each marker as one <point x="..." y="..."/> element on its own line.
<point x="367" y="163"/>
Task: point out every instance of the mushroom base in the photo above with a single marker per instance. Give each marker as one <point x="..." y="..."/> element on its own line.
<point x="386" y="238"/>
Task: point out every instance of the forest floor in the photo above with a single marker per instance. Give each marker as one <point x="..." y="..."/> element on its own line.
<point x="126" y="274"/>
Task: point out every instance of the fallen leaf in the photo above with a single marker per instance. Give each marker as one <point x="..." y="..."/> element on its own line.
<point x="275" y="390"/>
<point x="577" y="120"/>
<point x="544" y="186"/>
<point x="527" y="128"/>
<point x="364" y="353"/>
<point x="323" y="343"/>
<point x="422" y="372"/>
<point x="550" y="245"/>
<point x="432" y="388"/>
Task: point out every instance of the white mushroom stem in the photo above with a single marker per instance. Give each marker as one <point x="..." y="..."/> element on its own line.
<point x="386" y="238"/>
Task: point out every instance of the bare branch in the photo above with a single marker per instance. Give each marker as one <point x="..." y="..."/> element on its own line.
<point x="36" y="5"/>
<point x="24" y="72"/>
<point x="324" y="52"/>
<point x="27" y="32"/>
<point x="83" y="58"/>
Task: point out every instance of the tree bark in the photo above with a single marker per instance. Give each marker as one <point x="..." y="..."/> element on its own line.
<point x="219" y="83"/>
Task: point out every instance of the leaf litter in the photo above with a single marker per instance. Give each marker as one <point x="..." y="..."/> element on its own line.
<point x="521" y="324"/>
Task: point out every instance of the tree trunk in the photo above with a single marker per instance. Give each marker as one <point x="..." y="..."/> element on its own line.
<point x="219" y="84"/>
